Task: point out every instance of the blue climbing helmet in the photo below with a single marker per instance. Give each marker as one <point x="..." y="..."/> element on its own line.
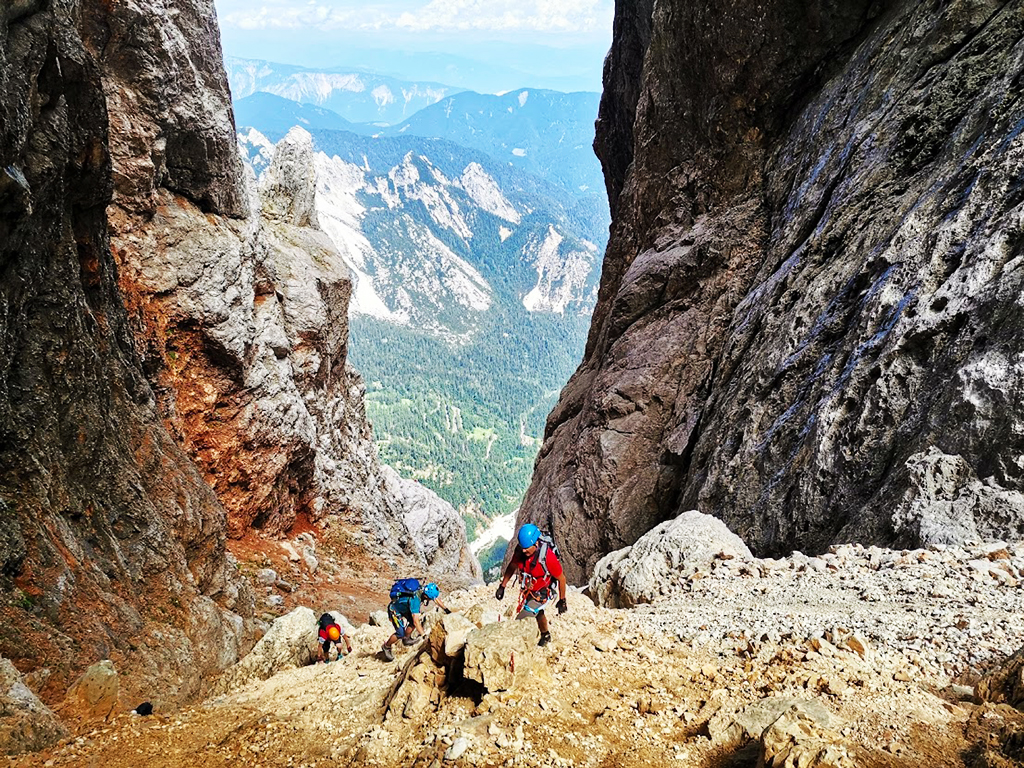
<point x="431" y="591"/>
<point x="528" y="535"/>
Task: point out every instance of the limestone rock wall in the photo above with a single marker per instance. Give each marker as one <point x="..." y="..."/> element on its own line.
<point x="435" y="526"/>
<point x="238" y="301"/>
<point x="111" y="543"/>
<point x="809" y="322"/>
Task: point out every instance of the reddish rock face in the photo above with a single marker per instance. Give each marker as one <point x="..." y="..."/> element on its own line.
<point x="240" y="317"/>
<point x="797" y="325"/>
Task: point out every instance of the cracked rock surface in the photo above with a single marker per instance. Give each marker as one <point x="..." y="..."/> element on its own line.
<point x="809" y="322"/>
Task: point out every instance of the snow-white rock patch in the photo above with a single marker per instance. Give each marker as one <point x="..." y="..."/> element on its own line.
<point x="560" y="278"/>
<point x="484" y="191"/>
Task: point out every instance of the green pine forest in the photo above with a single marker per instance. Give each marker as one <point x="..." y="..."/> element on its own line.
<point x="467" y="420"/>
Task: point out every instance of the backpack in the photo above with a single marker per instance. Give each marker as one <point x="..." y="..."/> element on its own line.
<point x="405" y="588"/>
<point x="325" y="620"/>
<point x="546" y="542"/>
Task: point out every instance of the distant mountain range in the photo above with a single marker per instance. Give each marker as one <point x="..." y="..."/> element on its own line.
<point x="359" y="97"/>
<point x="437" y="234"/>
<point x="571" y="68"/>
<point x="547" y="133"/>
<point x="276" y="114"/>
<point x="475" y="265"/>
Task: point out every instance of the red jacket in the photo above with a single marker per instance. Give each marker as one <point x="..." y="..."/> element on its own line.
<point x="533" y="576"/>
<point x="325" y="630"/>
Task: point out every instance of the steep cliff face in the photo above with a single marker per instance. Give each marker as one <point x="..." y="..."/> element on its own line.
<point x="174" y="354"/>
<point x="810" y="319"/>
<point x="238" y="300"/>
<point x="111" y="544"/>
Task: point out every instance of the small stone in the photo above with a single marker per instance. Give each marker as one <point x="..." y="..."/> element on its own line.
<point x="266" y="576"/>
<point x="456" y="750"/>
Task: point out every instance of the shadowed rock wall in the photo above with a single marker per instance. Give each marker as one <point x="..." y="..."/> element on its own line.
<point x="810" y="322"/>
<point x="111" y="543"/>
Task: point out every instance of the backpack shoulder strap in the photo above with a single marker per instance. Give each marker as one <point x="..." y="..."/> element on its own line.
<point x="542" y="557"/>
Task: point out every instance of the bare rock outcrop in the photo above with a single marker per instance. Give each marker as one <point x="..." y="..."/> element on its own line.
<point x="94" y="696"/>
<point x="1005" y="683"/>
<point x="498" y="655"/>
<point x="798" y="739"/>
<point x="291" y="642"/>
<point x="810" y="292"/>
<point x="649" y="568"/>
<point x="735" y="728"/>
<point x="242" y="316"/>
<point x="435" y="526"/>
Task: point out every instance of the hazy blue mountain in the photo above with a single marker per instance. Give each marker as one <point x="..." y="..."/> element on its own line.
<point x="547" y="133"/>
<point x="278" y="114"/>
<point x="560" y="69"/>
<point x="357" y="96"/>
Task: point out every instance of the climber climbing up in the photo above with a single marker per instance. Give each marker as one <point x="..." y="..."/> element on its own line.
<point x="330" y="633"/>
<point x="407" y="598"/>
<point x="536" y="559"/>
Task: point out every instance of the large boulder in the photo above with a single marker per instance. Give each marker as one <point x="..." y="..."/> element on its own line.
<point x="26" y="724"/>
<point x="448" y="637"/>
<point x="499" y="655"/>
<point x="638" y="574"/>
<point x="483" y="613"/>
<point x="94" y="695"/>
<point x="291" y="642"/>
<point x="420" y="688"/>
<point x="735" y="728"/>
<point x="797" y="739"/>
<point x="435" y="526"/>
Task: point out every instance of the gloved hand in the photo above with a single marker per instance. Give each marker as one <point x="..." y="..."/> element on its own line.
<point x="499" y="593"/>
<point x="562" y="606"/>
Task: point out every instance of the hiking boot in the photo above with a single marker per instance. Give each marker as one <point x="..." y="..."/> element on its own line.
<point x="388" y="653"/>
<point x="545" y="638"/>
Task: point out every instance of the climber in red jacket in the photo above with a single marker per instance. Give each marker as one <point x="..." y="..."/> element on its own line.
<point x="536" y="559"/>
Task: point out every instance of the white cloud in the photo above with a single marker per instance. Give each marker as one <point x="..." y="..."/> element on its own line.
<point x="503" y="16"/>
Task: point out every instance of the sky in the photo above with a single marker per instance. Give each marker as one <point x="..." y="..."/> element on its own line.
<point x="511" y="43"/>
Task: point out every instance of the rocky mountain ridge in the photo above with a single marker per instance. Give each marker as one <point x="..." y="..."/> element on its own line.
<point x="473" y="283"/>
<point x="435" y="233"/>
<point x="807" y="323"/>
<point x="544" y="132"/>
